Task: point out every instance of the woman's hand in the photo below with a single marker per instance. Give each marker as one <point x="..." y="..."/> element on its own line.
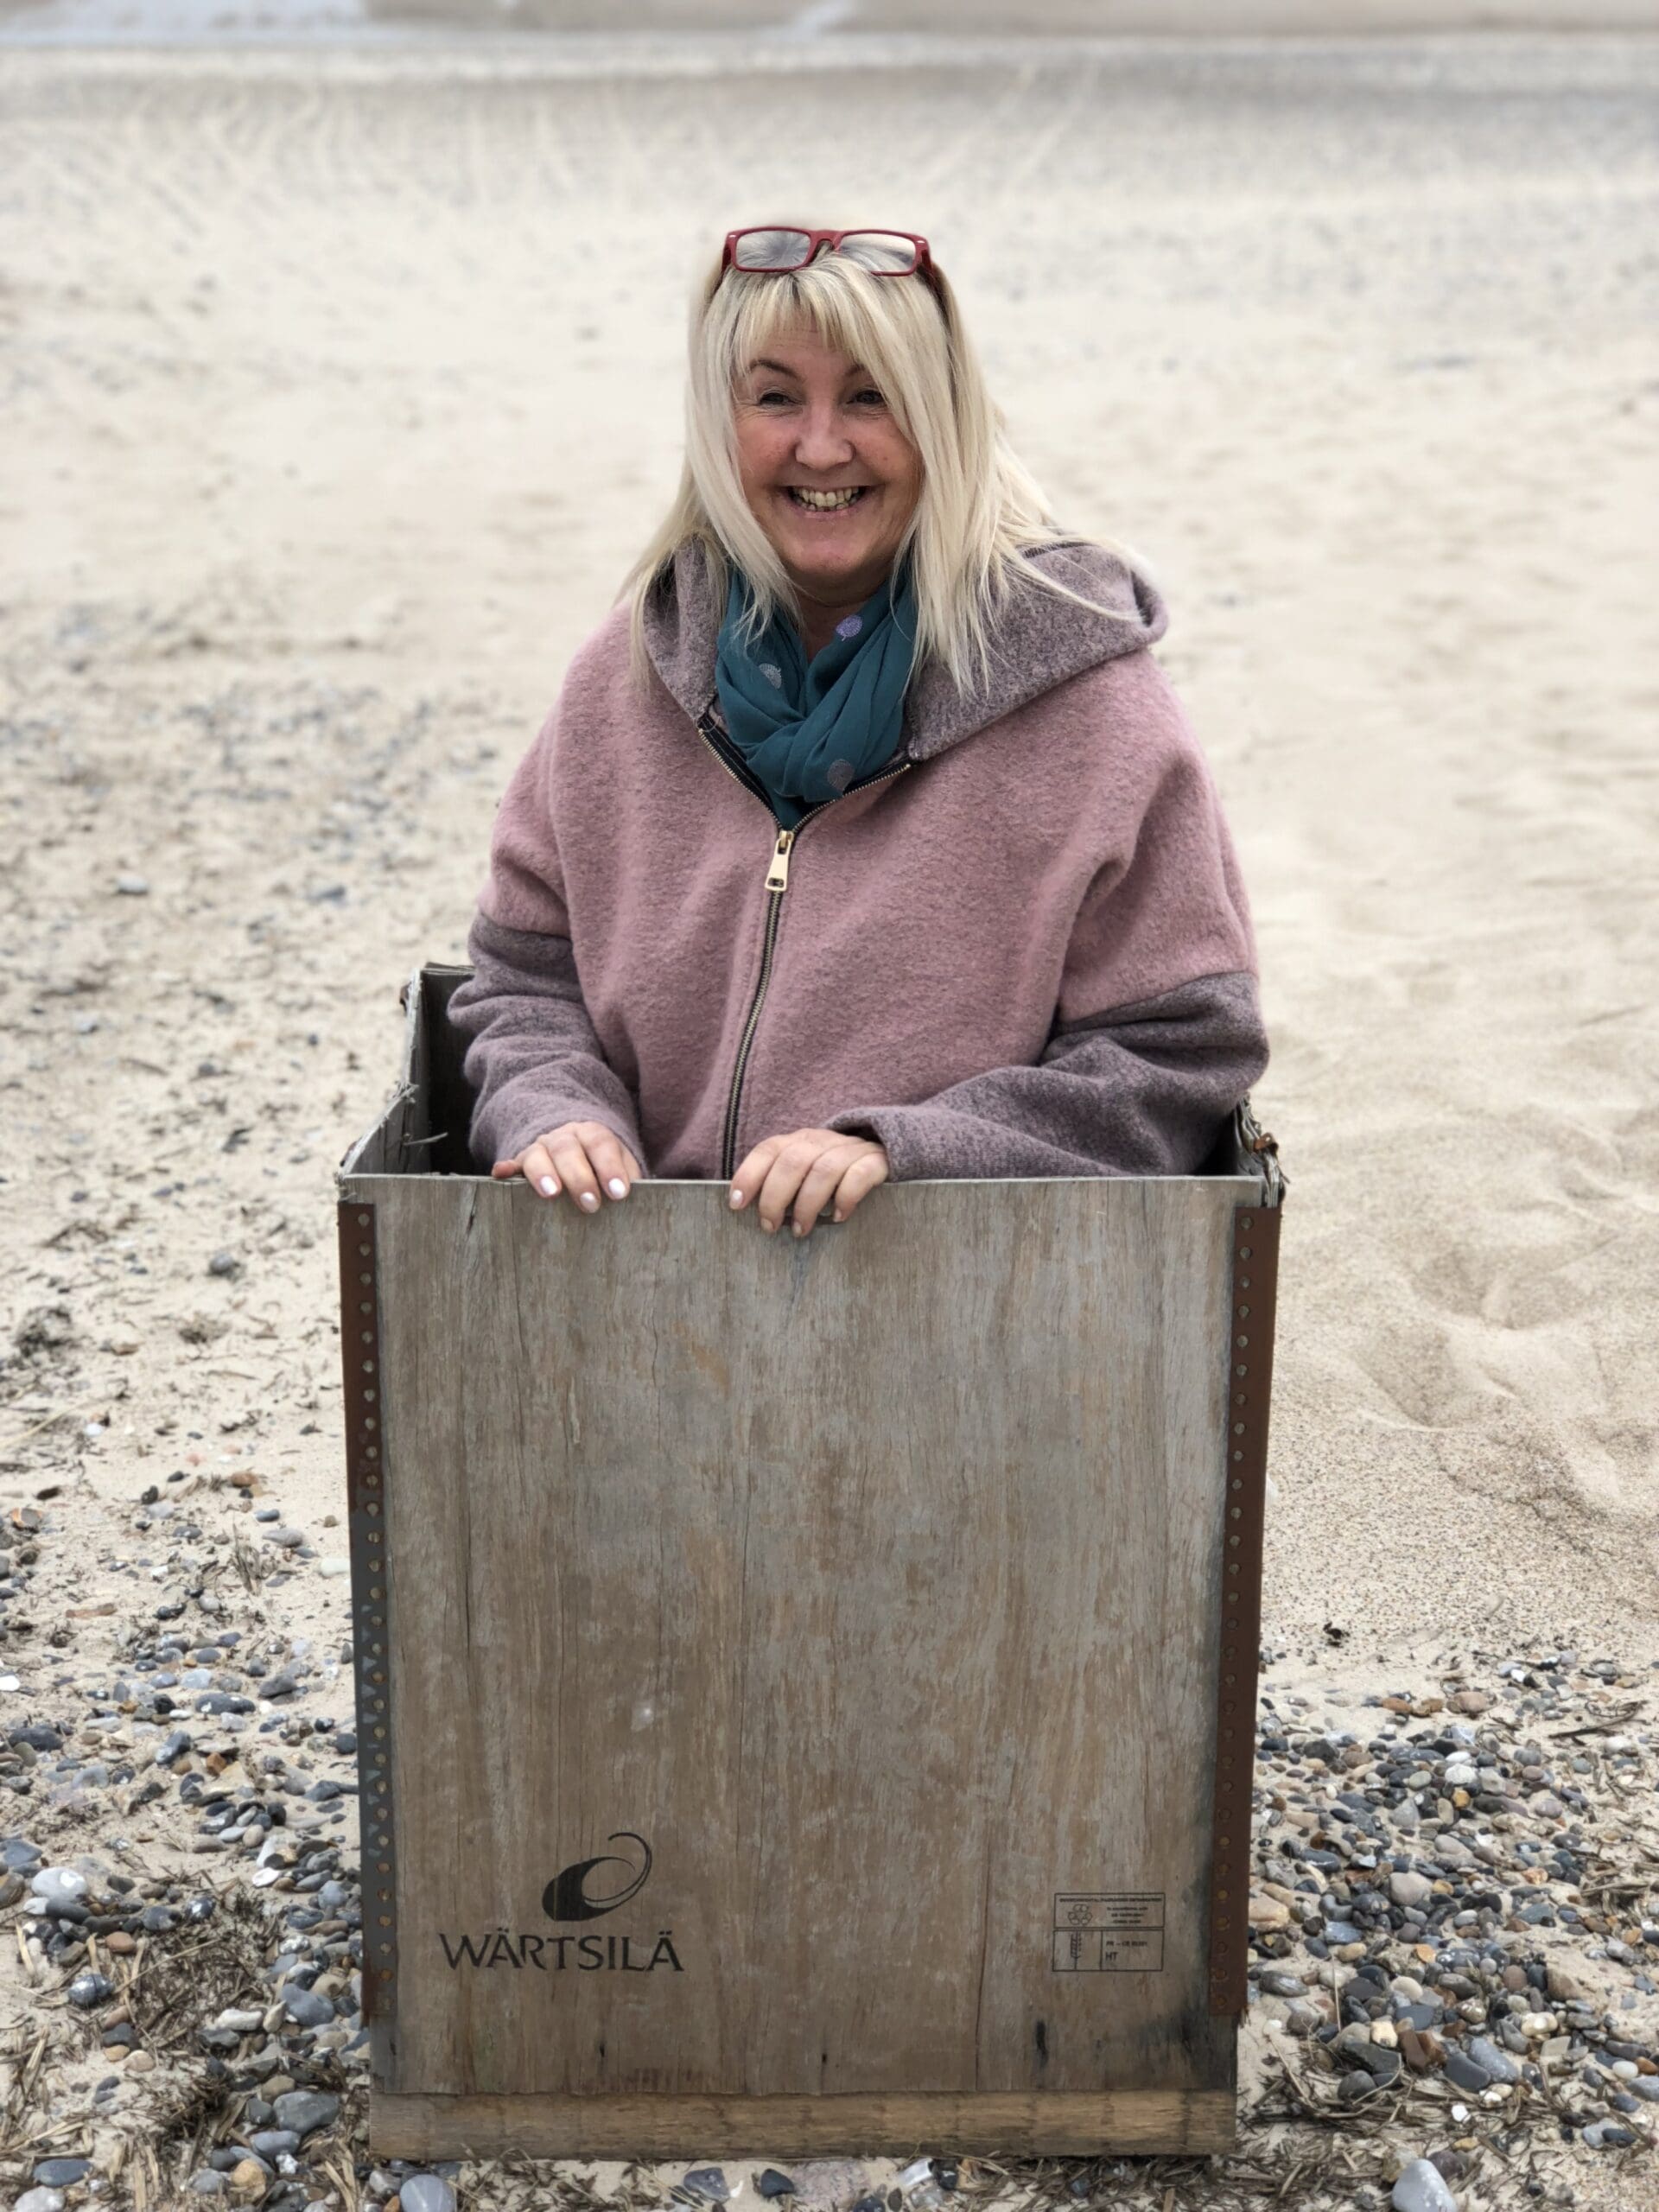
<point x="580" y="1157"/>
<point x="802" y="1172"/>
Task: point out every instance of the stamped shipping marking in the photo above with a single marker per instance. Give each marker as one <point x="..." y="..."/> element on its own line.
<point x="1108" y="1931"/>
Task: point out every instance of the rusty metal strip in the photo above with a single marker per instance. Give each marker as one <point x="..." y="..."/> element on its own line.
<point x="366" y="1500"/>
<point x="1250" y="1384"/>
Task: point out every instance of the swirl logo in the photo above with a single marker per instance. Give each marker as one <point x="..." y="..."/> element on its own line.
<point x="565" y="1897"/>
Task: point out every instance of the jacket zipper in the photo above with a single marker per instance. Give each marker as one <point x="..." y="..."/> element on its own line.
<point x="777" y="884"/>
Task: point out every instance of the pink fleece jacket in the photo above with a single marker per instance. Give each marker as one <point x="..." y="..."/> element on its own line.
<point x="1023" y="948"/>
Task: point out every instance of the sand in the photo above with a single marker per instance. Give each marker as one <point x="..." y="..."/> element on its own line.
<point x="339" y="387"/>
<point x="276" y="22"/>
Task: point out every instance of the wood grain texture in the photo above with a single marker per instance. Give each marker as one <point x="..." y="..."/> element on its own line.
<point x="873" y="1580"/>
<point x="1139" y="2122"/>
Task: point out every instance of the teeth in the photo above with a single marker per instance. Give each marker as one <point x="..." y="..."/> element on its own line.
<point x="825" y="502"/>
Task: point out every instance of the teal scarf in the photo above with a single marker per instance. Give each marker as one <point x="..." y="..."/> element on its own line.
<point x="809" y="729"/>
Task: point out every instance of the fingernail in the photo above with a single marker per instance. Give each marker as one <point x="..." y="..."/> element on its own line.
<point x="799" y="1228"/>
<point x="588" y="1198"/>
<point x="836" y="1215"/>
<point x="617" y="1187"/>
<point x="736" y="1198"/>
<point x="548" y="1187"/>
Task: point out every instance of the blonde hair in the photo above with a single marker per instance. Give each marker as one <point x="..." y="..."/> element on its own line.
<point x="979" y="513"/>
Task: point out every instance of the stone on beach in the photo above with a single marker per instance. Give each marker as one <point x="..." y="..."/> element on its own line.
<point x="1422" y="2188"/>
<point x="426" y="2193"/>
<point x="306" y="2110"/>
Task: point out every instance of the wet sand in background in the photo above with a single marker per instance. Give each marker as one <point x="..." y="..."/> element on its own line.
<point x="211" y="21"/>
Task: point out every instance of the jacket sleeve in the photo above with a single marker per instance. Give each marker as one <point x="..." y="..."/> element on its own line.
<point x="533" y="1057"/>
<point x="1135" y="1082"/>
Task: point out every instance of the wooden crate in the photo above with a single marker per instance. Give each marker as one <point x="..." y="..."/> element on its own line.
<point x="805" y="1689"/>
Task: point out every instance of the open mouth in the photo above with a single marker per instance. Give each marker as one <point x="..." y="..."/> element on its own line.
<point x="825" y="503"/>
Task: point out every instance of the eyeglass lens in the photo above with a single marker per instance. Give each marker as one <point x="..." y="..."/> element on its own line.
<point x="775" y="251"/>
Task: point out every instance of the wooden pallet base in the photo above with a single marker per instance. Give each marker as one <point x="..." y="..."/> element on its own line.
<point x="1133" y="2122"/>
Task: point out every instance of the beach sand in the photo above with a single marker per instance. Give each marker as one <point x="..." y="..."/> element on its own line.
<point x="215" y="22"/>
<point x="340" y="388"/>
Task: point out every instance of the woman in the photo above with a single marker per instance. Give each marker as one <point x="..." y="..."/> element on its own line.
<point x="867" y="840"/>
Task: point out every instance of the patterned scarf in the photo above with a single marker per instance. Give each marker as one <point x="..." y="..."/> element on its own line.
<point x="809" y="729"/>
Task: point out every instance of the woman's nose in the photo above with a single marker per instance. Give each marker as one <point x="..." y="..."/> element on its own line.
<point x="822" y="443"/>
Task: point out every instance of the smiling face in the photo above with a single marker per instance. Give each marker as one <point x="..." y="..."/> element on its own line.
<point x="826" y="470"/>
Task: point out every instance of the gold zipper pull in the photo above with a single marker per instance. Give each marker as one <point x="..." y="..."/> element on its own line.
<point x="778" y="872"/>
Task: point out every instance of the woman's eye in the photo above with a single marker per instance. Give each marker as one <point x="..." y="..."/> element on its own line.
<point x="870" y="393"/>
<point x="766" y="396"/>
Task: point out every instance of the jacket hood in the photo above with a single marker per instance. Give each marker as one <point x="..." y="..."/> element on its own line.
<point x="1036" y="641"/>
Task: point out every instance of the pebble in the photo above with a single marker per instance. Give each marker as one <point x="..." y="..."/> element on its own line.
<point x="58" y="1886"/>
<point x="306" y="2110"/>
<point x="274" y="2142"/>
<point x="426" y="2193"/>
<point x="61" y="2173"/>
<point x="1462" y="2070"/>
<point x="708" y="2183"/>
<point x="771" y="2182"/>
<point x="1606" y="2135"/>
<point x="1421" y="2188"/>
<point x="1497" y="2063"/>
<point x="40" y="2199"/>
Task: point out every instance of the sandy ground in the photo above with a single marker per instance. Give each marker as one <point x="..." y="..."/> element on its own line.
<point x="333" y="414"/>
<point x="339" y="390"/>
<point x="140" y="22"/>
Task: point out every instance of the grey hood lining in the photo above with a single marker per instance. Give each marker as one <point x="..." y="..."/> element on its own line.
<point x="1037" y="639"/>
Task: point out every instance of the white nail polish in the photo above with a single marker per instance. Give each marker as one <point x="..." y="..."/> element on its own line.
<point x="591" y="1199"/>
<point x="736" y="1197"/>
<point x="548" y="1187"/>
<point x="617" y="1187"/>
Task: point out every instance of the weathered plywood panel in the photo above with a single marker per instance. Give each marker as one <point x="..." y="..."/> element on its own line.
<point x="872" y="1582"/>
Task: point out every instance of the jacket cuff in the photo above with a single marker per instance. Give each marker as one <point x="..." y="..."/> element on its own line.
<point x="894" y="1127"/>
<point x="529" y="1106"/>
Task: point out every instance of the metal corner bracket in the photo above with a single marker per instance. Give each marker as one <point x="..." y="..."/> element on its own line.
<point x="1249" y="1383"/>
<point x="366" y="1500"/>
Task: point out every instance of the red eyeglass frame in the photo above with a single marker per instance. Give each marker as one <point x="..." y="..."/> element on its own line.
<point x="921" y="266"/>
